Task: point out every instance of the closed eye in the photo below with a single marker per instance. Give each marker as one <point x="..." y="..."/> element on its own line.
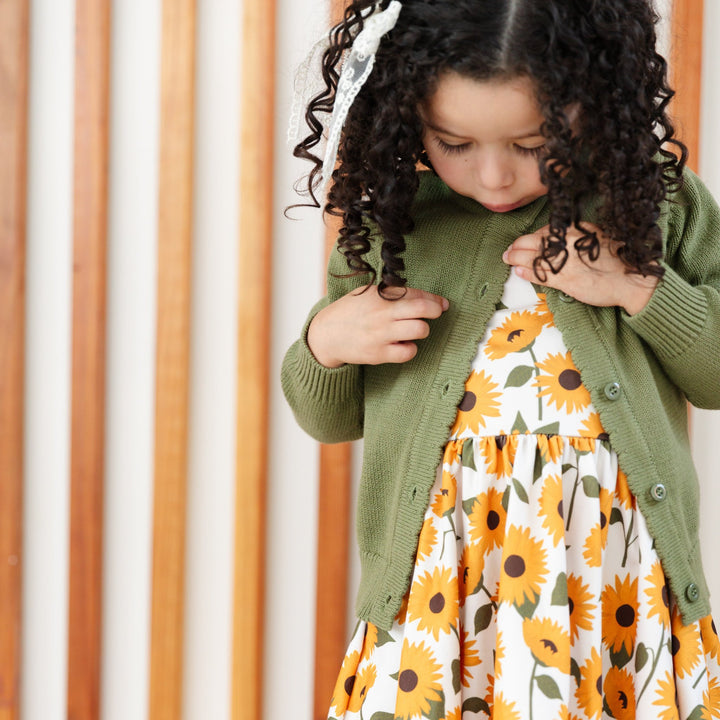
<point x="535" y="152"/>
<point x="449" y="149"/>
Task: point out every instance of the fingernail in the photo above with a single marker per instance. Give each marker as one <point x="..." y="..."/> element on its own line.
<point x="445" y="304"/>
<point x="505" y="255"/>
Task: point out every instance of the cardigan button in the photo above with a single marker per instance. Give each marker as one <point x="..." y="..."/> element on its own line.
<point x="612" y="391"/>
<point x="564" y="297"/>
<point x="658" y="492"/>
<point x="692" y="592"/>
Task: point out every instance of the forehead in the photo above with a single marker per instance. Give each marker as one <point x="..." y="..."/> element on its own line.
<point x="487" y="109"/>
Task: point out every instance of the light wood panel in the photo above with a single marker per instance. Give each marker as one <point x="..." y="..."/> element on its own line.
<point x="256" y="228"/>
<point x="172" y="359"/>
<point x="686" y="72"/>
<point x="13" y="172"/>
<point x="335" y="488"/>
<point x="92" y="22"/>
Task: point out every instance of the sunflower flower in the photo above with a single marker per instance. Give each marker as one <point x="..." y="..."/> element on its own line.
<point x="470" y="570"/>
<point x="444" y="500"/>
<point x="487" y="520"/>
<point x="517" y="333"/>
<point x="477" y="404"/>
<point x="418" y="681"/>
<point x="580" y="605"/>
<point x="589" y="691"/>
<point x="523" y="567"/>
<point x="658" y="594"/>
<point x="562" y="383"/>
<point x="364" y="680"/>
<point x="619" y="614"/>
<point x="619" y="689"/>
<point x="434" y="602"/>
<point x="686" y="646"/>
<point x="551" y="508"/>
<point x="345" y="683"/>
<point x="666" y="698"/>
<point x="548" y="643"/>
<point x="711" y="700"/>
<point x="499" y="454"/>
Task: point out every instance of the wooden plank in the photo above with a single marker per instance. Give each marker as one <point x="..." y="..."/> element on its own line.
<point x="332" y="570"/>
<point x="686" y="73"/>
<point x="172" y="360"/>
<point x="14" y="16"/>
<point x="88" y="357"/>
<point x="256" y="212"/>
<point x="334" y="502"/>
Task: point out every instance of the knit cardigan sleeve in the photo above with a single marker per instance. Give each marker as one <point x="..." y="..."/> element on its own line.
<point x="681" y="323"/>
<point x="328" y="403"/>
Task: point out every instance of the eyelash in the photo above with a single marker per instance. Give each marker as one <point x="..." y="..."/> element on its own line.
<point x="448" y="149"/>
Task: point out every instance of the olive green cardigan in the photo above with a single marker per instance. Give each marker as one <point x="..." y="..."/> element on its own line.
<point x="640" y="371"/>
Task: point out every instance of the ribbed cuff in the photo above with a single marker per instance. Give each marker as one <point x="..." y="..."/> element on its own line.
<point x="673" y="318"/>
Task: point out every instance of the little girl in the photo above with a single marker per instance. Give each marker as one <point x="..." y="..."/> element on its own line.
<point x="525" y="297"/>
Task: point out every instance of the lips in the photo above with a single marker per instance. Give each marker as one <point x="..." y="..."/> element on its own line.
<point x="503" y="208"/>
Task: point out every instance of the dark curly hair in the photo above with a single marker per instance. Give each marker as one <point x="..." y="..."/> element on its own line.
<point x="596" y="55"/>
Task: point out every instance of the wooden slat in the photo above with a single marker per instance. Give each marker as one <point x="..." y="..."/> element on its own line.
<point x="256" y="211"/>
<point x="686" y="72"/>
<point x="332" y="570"/>
<point x="172" y="361"/>
<point x="13" y="170"/>
<point x="335" y="485"/>
<point x="88" y="357"/>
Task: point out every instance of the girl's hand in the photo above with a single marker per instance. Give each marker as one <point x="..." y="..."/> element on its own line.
<point x="363" y="328"/>
<point x="602" y="283"/>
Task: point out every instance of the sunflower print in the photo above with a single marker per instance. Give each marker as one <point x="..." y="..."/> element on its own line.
<point x="470" y="571"/>
<point x="445" y="499"/>
<point x="478" y="404"/>
<point x="487" y="520"/>
<point x="345" y="683"/>
<point x="521" y="604"/>
<point x="562" y="384"/>
<point x="523" y="567"/>
<point x="589" y="690"/>
<point x="498" y="452"/>
<point x="516" y="334"/>
<point x="548" y="643"/>
<point x="619" y="688"/>
<point x="686" y="646"/>
<point x="364" y="680"/>
<point x="433" y="602"/>
<point x="620" y="614"/>
<point x="551" y="508"/>
<point x="711" y="699"/>
<point x="580" y="605"/>
<point x="665" y="698"/>
<point x="658" y="594"/>
<point x="418" y="681"/>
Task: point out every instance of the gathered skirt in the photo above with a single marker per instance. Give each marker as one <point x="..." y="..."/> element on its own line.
<point x="537" y="593"/>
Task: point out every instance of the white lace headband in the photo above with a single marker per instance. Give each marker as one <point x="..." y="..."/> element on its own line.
<point x="355" y="71"/>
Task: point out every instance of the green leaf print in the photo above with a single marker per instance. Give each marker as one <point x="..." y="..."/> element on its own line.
<point x="468" y="454"/>
<point x="483" y="618"/>
<point x="641" y="657"/>
<point x="437" y="708"/>
<point x="620" y="658"/>
<point x="519" y="376"/>
<point x="383" y="637"/>
<point x="468" y="505"/>
<point x="616" y="516"/>
<point x="506" y="498"/>
<point x="591" y="486"/>
<point x="551" y="429"/>
<point x="519" y="425"/>
<point x="560" y="592"/>
<point x="456" y="675"/>
<point x="698" y="713"/>
<point x="520" y="491"/>
<point x="538" y="468"/>
<point x="383" y="716"/>
<point x="475" y="705"/>
<point x="567" y="467"/>
<point x="527" y="609"/>
<point x="548" y="687"/>
<point x="575" y="671"/>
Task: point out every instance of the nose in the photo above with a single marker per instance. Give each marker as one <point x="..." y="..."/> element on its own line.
<point x="493" y="170"/>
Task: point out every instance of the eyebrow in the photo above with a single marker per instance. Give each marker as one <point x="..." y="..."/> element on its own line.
<point x="445" y="131"/>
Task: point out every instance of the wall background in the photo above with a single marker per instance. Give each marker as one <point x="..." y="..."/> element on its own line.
<point x="298" y="251"/>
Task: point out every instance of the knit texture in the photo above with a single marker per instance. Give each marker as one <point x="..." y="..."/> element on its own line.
<point x="639" y="370"/>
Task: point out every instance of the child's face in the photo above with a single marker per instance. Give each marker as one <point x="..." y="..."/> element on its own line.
<point x="484" y="141"/>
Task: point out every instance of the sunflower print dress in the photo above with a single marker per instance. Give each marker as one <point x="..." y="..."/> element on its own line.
<point x="536" y="592"/>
